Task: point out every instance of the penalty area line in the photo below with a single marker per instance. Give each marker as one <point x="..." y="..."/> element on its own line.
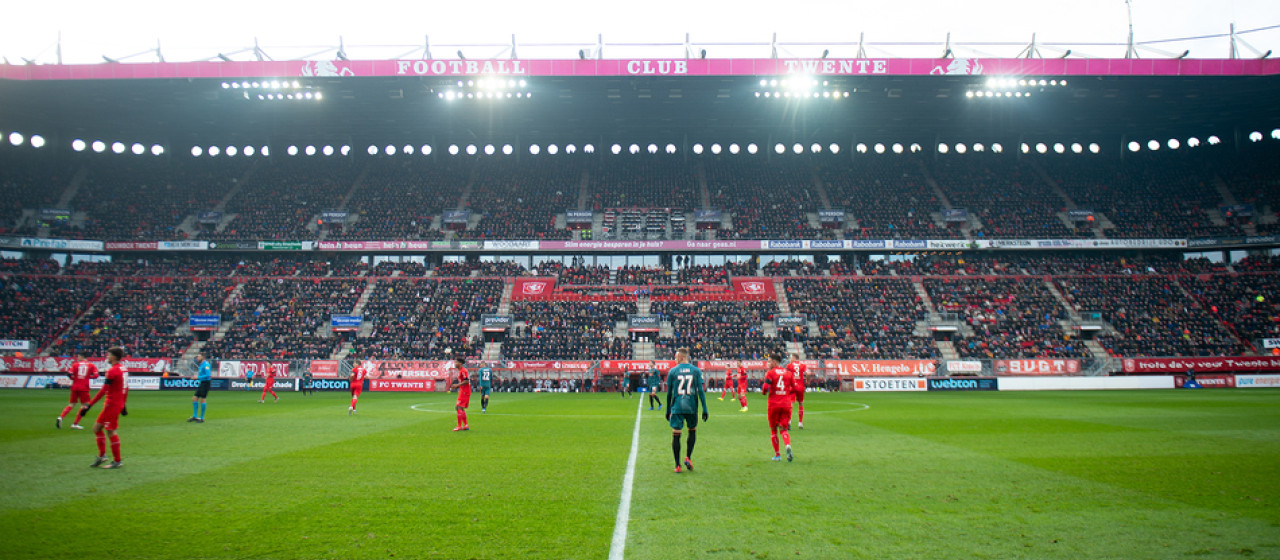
<point x="619" y="542"/>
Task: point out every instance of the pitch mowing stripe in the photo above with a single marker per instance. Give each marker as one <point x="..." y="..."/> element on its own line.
<point x="624" y="504"/>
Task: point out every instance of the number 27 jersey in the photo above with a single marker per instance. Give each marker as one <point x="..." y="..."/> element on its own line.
<point x="684" y="384"/>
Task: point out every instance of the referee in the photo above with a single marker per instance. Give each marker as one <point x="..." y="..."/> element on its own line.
<point x="204" y="376"/>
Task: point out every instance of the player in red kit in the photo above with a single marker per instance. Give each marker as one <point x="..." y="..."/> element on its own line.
<point x="116" y="389"/>
<point x="463" y="385"/>
<point x="798" y="371"/>
<point x="358" y="374"/>
<point x="778" y="383"/>
<point x="742" y="387"/>
<point x="728" y="381"/>
<point x="269" y="382"/>
<point x="81" y="371"/>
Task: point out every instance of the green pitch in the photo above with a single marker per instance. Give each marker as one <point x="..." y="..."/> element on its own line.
<point x="1151" y="474"/>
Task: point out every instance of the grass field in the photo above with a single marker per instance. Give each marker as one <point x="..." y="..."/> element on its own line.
<point x="1150" y="474"/>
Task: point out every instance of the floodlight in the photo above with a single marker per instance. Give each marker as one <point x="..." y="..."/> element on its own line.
<point x="534" y="149"/>
<point x="1134" y="146"/>
<point x="489" y="149"/>
<point x="734" y="149"/>
<point x="671" y="148"/>
<point x="961" y="148"/>
<point x="616" y="149"/>
<point x="835" y="148"/>
<point x="78" y="145"/>
<point x="978" y="147"/>
<point x="779" y="148"/>
<point x="214" y="151"/>
<point x="943" y="148"/>
<point x="815" y="148"/>
<point x="424" y="150"/>
<point x="117" y="147"/>
<point x="860" y="148"/>
<point x="752" y="148"/>
<point x="507" y="149"/>
<point x="1255" y="136"/>
<point x="373" y="150"/>
<point x="264" y="151"/>
<point x="310" y="150"/>
<point x="697" y="149"/>
<point x="653" y="148"/>
<point x="1025" y="148"/>
<point x="1193" y="142"/>
<point x="1275" y="134"/>
<point x="634" y="149"/>
<point x="997" y="148"/>
<point x="1153" y="145"/>
<point x="471" y="149"/>
<point x="879" y="148"/>
<point x="37" y="141"/>
<point x="1214" y="140"/>
<point x="327" y="150"/>
<point x="715" y="149"/>
<point x="1059" y="148"/>
<point x="231" y="151"/>
<point x="247" y="151"/>
<point x="797" y="148"/>
<point x="897" y="148"/>
<point x="1077" y="148"/>
<point x="553" y="149"/>
<point x="589" y="148"/>
<point x="293" y="150"/>
<point x="345" y="150"/>
<point x="1174" y="144"/>
<point x="16" y="138"/>
<point x="1095" y="148"/>
<point x="1041" y="148"/>
<point x="196" y="151"/>
<point x="388" y="149"/>
<point x="915" y="148"/>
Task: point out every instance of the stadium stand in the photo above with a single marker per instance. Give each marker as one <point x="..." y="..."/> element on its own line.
<point x="282" y="319"/>
<point x="1010" y="317"/>
<point x="422" y="318"/>
<point x="860" y="318"/>
<point x="720" y="329"/>
<point x="144" y="316"/>
<point x="767" y="200"/>
<point x="568" y="329"/>
<point x="888" y="197"/>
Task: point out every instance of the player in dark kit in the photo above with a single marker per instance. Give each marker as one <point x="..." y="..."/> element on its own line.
<point x="778" y="383"/>
<point x="653" y="383"/>
<point x="684" y="382"/>
<point x="486" y="385"/>
<point x="798" y="371"/>
<point x="81" y="371"/>
<point x="463" y="385"/>
<point x="116" y="389"/>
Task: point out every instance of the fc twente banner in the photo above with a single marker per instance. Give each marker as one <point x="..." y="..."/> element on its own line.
<point x="615" y="366"/>
<point x="754" y="286"/>
<point x="1201" y="365"/>
<point x="52" y="365"/>
<point x="533" y="288"/>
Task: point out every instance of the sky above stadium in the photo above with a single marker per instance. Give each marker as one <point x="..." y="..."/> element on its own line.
<point x="654" y="29"/>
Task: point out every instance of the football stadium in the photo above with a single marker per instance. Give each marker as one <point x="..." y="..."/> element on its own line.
<point x="580" y="306"/>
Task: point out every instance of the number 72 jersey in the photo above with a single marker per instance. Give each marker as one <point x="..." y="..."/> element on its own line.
<point x="684" y="386"/>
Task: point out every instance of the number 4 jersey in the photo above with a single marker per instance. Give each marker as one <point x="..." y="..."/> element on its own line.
<point x="684" y="387"/>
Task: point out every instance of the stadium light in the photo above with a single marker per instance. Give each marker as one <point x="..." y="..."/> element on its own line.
<point x="117" y="147"/>
<point x="879" y="148"/>
<point x="634" y="149"/>
<point x="779" y="148"/>
<point x="16" y="138"/>
<point x="616" y="149"/>
<point x="1153" y="145"/>
<point x="508" y="150"/>
<point x="1059" y="148"/>
<point x="264" y="151"/>
<point x="389" y="150"/>
<point x="897" y="148"/>
<point x="797" y="148"/>
<point x="1214" y="140"/>
<point x="407" y="150"/>
<point x="231" y="151"/>
<point x="344" y="150"/>
<point x="653" y="148"/>
<point x="37" y="141"/>
<point x="196" y="151"/>
<point x="697" y="149"/>
<point x="1025" y="148"/>
<point x="1095" y="148"/>
<point x="943" y="148"/>
<point x="1193" y="142"/>
<point x="1076" y="148"/>
<point x="835" y="148"/>
<point x="1275" y="134"/>
<point x="589" y="148"/>
<point x="453" y="149"/>
<point x="715" y="149"/>
<point x="489" y="149"/>
<point x="1041" y="148"/>
<point x="247" y="151"/>
<point x="961" y="148"/>
<point x="371" y="150"/>
<point x="978" y="147"/>
<point x="1255" y="136"/>
<point x="213" y="151"/>
<point x="734" y="149"/>
<point x="752" y="148"/>
<point x="293" y="150"/>
<point x="815" y="148"/>
<point x="1134" y="146"/>
<point x="1174" y="144"/>
<point x="78" y="145"/>
<point x="570" y="149"/>
<point x="534" y="149"/>
<point x="553" y="149"/>
<point x="310" y="150"/>
<point x="860" y="148"/>
<point x="471" y="149"/>
<point x="424" y="150"/>
<point x="671" y="148"/>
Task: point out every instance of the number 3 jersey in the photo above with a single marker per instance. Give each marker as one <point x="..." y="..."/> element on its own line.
<point x="684" y="386"/>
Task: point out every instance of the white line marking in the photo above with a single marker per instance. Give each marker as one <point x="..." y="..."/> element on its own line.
<point x="624" y="505"/>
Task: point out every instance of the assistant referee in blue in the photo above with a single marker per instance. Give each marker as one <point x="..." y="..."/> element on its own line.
<point x="205" y="377"/>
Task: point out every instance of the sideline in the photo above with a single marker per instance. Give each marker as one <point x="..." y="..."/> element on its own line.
<point x="624" y="505"/>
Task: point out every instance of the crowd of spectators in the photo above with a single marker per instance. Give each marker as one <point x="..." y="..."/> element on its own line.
<point x="575" y="275"/>
<point x="643" y="275"/>
<point x="468" y="268"/>
<point x="702" y="274"/>
<point x="282" y="319"/>
<point x="723" y="329"/>
<point x="1010" y="317"/>
<point x="1247" y="302"/>
<point x="30" y="183"/>
<point x="140" y="199"/>
<point x="564" y="329"/>
<point x="521" y="200"/>
<point x="280" y="200"/>
<point x="37" y="309"/>
<point x="1151" y="317"/>
<point x="768" y="200"/>
<point x="1007" y="196"/>
<point x="427" y="319"/>
<point x="888" y="197"/>
<point x="860" y="318"/>
<point x="638" y="183"/>
<point x="400" y="198"/>
<point x="791" y="267"/>
<point x="29" y="266"/>
<point x="144" y="316"/>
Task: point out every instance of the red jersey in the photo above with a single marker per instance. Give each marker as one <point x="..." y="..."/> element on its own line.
<point x="358" y="374"/>
<point x="742" y="378"/>
<point x="798" y="371"/>
<point x="116" y="388"/>
<point x="465" y="387"/>
<point x="81" y="373"/>
<point x="728" y="378"/>
<point x="779" y="385"/>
